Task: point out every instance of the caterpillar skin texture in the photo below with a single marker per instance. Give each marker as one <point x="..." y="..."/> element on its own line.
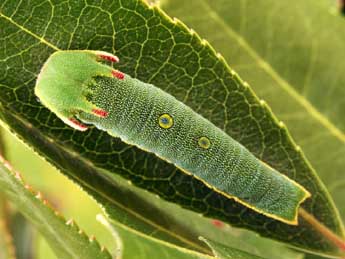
<point x="151" y="119"/>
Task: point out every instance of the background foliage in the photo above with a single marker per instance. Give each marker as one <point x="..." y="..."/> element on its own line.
<point x="262" y="42"/>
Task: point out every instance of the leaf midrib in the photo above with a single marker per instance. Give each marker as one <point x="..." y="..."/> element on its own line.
<point x="285" y="85"/>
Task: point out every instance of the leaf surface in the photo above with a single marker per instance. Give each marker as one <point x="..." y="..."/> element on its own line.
<point x="64" y="237"/>
<point x="163" y="52"/>
<point x="223" y="252"/>
<point x="294" y="57"/>
<point x="134" y="244"/>
<point x="178" y="222"/>
<point x="24" y="236"/>
<point x="7" y="250"/>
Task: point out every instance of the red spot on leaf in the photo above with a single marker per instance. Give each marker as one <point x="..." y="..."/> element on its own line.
<point x="218" y="223"/>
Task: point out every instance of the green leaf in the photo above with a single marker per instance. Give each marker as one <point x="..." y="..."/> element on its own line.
<point x="185" y="226"/>
<point x="157" y="50"/>
<point x="64" y="237"/>
<point x="223" y="252"/>
<point x="7" y="247"/>
<point x="7" y="250"/>
<point x="281" y="65"/>
<point x="24" y="236"/>
<point x="312" y="256"/>
<point x="134" y="244"/>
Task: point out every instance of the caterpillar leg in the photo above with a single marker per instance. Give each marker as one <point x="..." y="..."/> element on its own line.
<point x="88" y="107"/>
<point x="71" y="121"/>
<point x="80" y="104"/>
<point x="68" y="118"/>
<point x="118" y="74"/>
<point x="102" y="69"/>
<point x="74" y="123"/>
<point x="100" y="113"/>
<point x="107" y="56"/>
<point x="109" y="72"/>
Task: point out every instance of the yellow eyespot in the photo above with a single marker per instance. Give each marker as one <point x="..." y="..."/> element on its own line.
<point x="204" y="142"/>
<point x="165" y="121"/>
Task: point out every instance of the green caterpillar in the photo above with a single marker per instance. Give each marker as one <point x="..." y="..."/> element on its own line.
<point x="151" y="119"/>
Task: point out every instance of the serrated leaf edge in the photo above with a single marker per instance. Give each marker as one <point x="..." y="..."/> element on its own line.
<point x="237" y="79"/>
<point x="38" y="195"/>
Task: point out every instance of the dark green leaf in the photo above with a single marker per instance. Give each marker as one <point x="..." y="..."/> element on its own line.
<point x="269" y="51"/>
<point x="153" y="49"/>
<point x="281" y="65"/>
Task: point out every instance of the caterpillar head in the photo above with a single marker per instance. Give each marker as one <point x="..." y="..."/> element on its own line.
<point x="63" y="83"/>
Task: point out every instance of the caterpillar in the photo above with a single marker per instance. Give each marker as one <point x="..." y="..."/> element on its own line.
<point x="143" y="115"/>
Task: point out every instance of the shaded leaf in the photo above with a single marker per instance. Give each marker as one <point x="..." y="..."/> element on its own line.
<point x="64" y="237"/>
<point x="222" y="252"/>
<point x="179" y="221"/>
<point x="154" y="49"/>
<point x="24" y="237"/>
<point x="138" y="245"/>
<point x="7" y="250"/>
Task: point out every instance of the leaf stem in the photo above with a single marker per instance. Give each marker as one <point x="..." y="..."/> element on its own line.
<point x="335" y="239"/>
